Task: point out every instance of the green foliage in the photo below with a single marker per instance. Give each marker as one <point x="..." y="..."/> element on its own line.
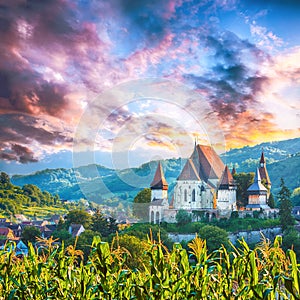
<point x="243" y="181"/>
<point x="271" y="201"/>
<point x="183" y="217"/>
<point x="285" y="207"/>
<point x="84" y="242"/>
<point x="234" y="215"/>
<point x="78" y="216"/>
<point x="266" y="272"/>
<point x="13" y="199"/>
<point x="105" y="226"/>
<point x="62" y="235"/>
<point x="136" y="256"/>
<point x="140" y="207"/>
<point x="144" y="231"/>
<point x="295" y="197"/>
<point x="215" y="237"/>
<point x="4" y="178"/>
<point x="30" y="233"/>
<point x="291" y="240"/>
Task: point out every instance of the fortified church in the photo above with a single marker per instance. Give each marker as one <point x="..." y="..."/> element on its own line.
<point x="206" y="185"/>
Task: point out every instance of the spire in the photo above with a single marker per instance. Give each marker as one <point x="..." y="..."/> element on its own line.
<point x="263" y="170"/>
<point x="159" y="181"/>
<point x="226" y="179"/>
<point x="233" y="172"/>
<point x="262" y="158"/>
<point x="257" y="176"/>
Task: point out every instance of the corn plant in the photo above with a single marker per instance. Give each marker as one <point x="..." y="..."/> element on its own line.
<point x="52" y="272"/>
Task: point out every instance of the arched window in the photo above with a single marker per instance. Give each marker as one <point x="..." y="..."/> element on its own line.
<point x="152" y="217"/>
<point x="193" y="195"/>
<point x="185" y="195"/>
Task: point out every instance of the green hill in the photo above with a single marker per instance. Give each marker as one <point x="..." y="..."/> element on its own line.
<point x="98" y="183"/>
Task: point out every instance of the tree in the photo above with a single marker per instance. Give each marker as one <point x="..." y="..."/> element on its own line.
<point x="141" y="204"/>
<point x="271" y="201"/>
<point x="214" y="236"/>
<point x="291" y="240"/>
<point x="136" y="248"/>
<point x="183" y="217"/>
<point x="285" y="206"/>
<point x="4" y="178"/>
<point x="243" y="181"/>
<point x="29" y="234"/>
<point x="62" y="235"/>
<point x="105" y="226"/>
<point x="78" y="216"/>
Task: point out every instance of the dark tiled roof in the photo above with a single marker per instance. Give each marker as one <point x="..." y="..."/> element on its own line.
<point x="189" y="172"/>
<point x="262" y="158"/>
<point x="159" y="181"/>
<point x="263" y="170"/>
<point x="227" y="179"/>
<point x="233" y="172"/>
<point x="264" y="174"/>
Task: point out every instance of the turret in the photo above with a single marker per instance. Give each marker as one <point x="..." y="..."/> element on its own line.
<point x="159" y="185"/>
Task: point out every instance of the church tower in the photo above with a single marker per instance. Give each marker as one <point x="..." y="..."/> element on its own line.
<point x="257" y="194"/>
<point x="159" y="197"/>
<point x="227" y="192"/>
<point x="264" y="173"/>
<point x="159" y="185"/>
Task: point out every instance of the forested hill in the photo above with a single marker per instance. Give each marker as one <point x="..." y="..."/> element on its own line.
<point x="283" y="160"/>
<point x="246" y="158"/>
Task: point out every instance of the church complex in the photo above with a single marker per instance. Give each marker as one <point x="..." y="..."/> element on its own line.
<point x="205" y="185"/>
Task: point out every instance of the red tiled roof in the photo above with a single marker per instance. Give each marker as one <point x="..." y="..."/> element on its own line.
<point x="227" y="179"/>
<point x="263" y="170"/>
<point x="159" y="181"/>
<point x="189" y="172"/>
<point x="264" y="175"/>
<point x="209" y="163"/>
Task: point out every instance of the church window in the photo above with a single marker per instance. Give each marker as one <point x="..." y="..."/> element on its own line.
<point x="185" y="195"/>
<point x="193" y="195"/>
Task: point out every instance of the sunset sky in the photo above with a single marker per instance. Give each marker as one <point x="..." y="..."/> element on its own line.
<point x="130" y="81"/>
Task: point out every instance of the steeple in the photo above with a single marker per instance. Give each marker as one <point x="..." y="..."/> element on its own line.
<point x="262" y="161"/>
<point x="159" y="181"/>
<point x="263" y="172"/>
<point x="257" y="187"/>
<point x="233" y="171"/>
<point x="227" y="180"/>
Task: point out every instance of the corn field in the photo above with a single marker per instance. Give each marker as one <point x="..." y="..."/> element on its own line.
<point x="266" y="272"/>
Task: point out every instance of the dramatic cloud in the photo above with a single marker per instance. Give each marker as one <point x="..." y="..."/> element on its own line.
<point x="57" y="56"/>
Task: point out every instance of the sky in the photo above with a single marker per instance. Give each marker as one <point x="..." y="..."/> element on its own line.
<point x="122" y="82"/>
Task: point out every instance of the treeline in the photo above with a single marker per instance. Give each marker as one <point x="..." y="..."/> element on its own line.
<point x="49" y="272"/>
<point x="13" y="198"/>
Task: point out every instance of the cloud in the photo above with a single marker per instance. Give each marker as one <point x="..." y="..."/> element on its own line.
<point x="57" y="56"/>
<point x="20" y="134"/>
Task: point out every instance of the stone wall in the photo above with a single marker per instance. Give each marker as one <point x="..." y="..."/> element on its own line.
<point x="250" y="236"/>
